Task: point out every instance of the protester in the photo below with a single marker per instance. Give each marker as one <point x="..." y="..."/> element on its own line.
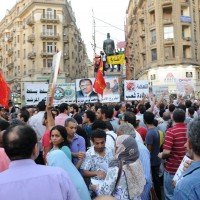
<point x="35" y="181"/>
<point x="64" y="114"/>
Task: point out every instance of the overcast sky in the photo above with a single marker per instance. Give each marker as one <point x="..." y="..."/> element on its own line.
<point x="109" y="11"/>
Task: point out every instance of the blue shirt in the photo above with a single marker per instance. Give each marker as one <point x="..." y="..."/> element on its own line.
<point x="153" y="139"/>
<point x="189" y="186"/>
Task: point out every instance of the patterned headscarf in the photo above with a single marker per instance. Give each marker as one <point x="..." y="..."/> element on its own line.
<point x="127" y="152"/>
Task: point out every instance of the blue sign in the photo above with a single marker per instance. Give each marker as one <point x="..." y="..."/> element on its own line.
<point x="185" y="19"/>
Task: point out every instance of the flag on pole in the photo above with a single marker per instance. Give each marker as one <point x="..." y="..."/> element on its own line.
<point x="5" y="92"/>
<point x="99" y="83"/>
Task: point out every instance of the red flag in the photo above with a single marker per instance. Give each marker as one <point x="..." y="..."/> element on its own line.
<point x="5" y="92"/>
<point x="99" y="83"/>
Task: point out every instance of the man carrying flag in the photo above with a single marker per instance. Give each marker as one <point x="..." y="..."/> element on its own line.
<point x="99" y="83"/>
<point x="5" y="91"/>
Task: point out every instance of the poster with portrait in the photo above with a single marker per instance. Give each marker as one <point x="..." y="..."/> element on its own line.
<point x="134" y="89"/>
<point x="160" y="90"/>
<point x="85" y="92"/>
<point x="64" y="93"/>
<point x="185" y="87"/>
<point x="112" y="92"/>
<point x="35" y="92"/>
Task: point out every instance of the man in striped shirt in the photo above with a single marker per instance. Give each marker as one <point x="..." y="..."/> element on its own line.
<point x="173" y="150"/>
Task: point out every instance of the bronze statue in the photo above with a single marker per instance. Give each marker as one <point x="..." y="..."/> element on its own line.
<point x="108" y="45"/>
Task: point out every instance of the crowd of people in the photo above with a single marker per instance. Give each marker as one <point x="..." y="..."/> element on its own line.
<point x="123" y="151"/>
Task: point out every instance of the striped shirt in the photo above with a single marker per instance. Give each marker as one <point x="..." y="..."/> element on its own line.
<point x="175" y="139"/>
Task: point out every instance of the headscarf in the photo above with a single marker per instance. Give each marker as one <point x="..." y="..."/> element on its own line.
<point x="127" y="151"/>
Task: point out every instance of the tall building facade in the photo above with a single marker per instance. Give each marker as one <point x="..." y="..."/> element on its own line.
<point x="163" y="41"/>
<point x="30" y="34"/>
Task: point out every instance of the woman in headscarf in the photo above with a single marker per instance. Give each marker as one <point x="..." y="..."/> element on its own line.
<point x="125" y="178"/>
<point x="57" y="158"/>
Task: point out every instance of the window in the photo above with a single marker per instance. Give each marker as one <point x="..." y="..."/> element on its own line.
<point x="18" y="39"/>
<point x="49" y="13"/>
<point x="168" y="32"/>
<point x="18" y="54"/>
<point x="49" y="30"/>
<point x="154" y="54"/>
<point x="24" y="53"/>
<point x="186" y="32"/>
<point x="198" y="75"/>
<point x="169" y="52"/>
<point x="49" y="63"/>
<point x="153" y="35"/>
<point x="186" y="51"/>
<point x="49" y="47"/>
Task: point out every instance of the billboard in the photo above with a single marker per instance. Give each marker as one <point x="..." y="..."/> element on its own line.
<point x="134" y="89"/>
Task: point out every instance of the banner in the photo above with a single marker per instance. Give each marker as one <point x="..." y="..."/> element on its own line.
<point x="64" y="93"/>
<point x="116" y="59"/>
<point x="159" y="90"/>
<point x="185" y="87"/>
<point x="134" y="89"/>
<point x="85" y="92"/>
<point x="111" y="93"/>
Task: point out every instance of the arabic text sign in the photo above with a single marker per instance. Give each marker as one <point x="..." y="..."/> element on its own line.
<point x="116" y="59"/>
<point x="134" y="89"/>
<point x="85" y="92"/>
<point x="64" y="93"/>
<point x="34" y="93"/>
<point x="111" y="93"/>
<point x="159" y="90"/>
<point x="185" y="86"/>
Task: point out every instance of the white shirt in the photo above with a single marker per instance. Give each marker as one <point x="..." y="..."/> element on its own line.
<point x="110" y="139"/>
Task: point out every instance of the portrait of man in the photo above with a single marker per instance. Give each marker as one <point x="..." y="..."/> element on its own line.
<point x="86" y="90"/>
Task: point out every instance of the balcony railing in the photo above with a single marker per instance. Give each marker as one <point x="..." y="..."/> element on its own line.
<point x="169" y="41"/>
<point x="10" y="52"/>
<point x="31" y="38"/>
<point x="166" y="2"/>
<point x="49" y="18"/>
<point x="47" y="53"/>
<point x="10" y="65"/>
<point x="31" y="55"/>
<point x="187" y="38"/>
<point x="46" y="70"/>
<point x="167" y="20"/>
<point x="30" y="21"/>
<point x="49" y="36"/>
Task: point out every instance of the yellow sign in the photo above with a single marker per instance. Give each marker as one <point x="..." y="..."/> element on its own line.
<point x="116" y="59"/>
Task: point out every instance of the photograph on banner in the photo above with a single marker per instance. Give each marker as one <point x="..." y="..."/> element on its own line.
<point x="159" y="91"/>
<point x="134" y="89"/>
<point x="185" y="87"/>
<point x="85" y="92"/>
<point x="111" y="93"/>
<point x="35" y="92"/>
<point x="64" y="93"/>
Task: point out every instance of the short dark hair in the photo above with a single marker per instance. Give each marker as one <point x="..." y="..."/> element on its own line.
<point x="109" y="113"/>
<point x="45" y="115"/>
<point x="25" y="115"/>
<point x="85" y="79"/>
<point x="98" y="133"/>
<point x="188" y="103"/>
<point x="148" y="117"/>
<point x="63" y="107"/>
<point x="182" y="106"/>
<point x="193" y="133"/>
<point x="191" y="110"/>
<point x="91" y="115"/>
<point x="41" y="106"/>
<point x="130" y="118"/>
<point x="103" y="109"/>
<point x="75" y="106"/>
<point x="142" y="108"/>
<point x="172" y="107"/>
<point x="63" y="133"/>
<point x="179" y="115"/>
<point x="19" y="142"/>
<point x="99" y="124"/>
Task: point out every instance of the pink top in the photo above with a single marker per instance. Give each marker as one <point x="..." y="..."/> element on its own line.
<point x="60" y="119"/>
<point x="4" y="160"/>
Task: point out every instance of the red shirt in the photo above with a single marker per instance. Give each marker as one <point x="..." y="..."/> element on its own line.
<point x="143" y="132"/>
<point x="175" y="139"/>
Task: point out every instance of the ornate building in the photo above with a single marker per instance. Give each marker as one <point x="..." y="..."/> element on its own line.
<point x="30" y="34"/>
<point x="163" y="41"/>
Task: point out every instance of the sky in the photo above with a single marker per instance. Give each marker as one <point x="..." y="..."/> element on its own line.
<point x="107" y="13"/>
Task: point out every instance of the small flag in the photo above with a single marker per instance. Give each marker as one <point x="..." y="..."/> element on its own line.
<point x="5" y="92"/>
<point x="99" y="83"/>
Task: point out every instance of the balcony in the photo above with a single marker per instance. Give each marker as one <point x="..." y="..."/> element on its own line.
<point x="10" y="65"/>
<point x="151" y="6"/>
<point x="141" y="15"/>
<point x="46" y="70"/>
<point x="143" y="51"/>
<point x="10" y="52"/>
<point x="1" y="58"/>
<point x="65" y="39"/>
<point x="169" y="41"/>
<point x="31" y="55"/>
<point x="187" y="39"/>
<point x="153" y="41"/>
<point x="184" y="2"/>
<point x="31" y="38"/>
<point x="49" y="18"/>
<point x="152" y="25"/>
<point x="49" y="36"/>
<point x="47" y="54"/>
<point x="30" y="21"/>
<point x="167" y="20"/>
<point x="166" y="2"/>
<point x="10" y="38"/>
<point x="66" y="56"/>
